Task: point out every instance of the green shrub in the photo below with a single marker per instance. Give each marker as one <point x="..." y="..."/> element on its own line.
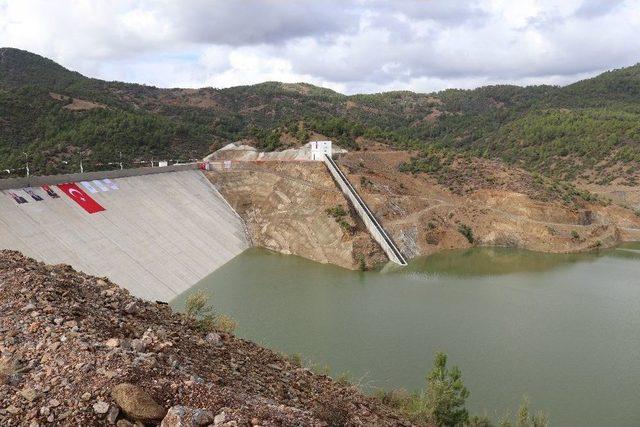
<point x="206" y="320"/>
<point x="466" y="231"/>
<point x="446" y="394"/>
<point x="441" y="404"/>
<point x="295" y="359"/>
<point x="225" y="323"/>
<point x="524" y="418"/>
<point x="345" y="225"/>
<point x="337" y="212"/>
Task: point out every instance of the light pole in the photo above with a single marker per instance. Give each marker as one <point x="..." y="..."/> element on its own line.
<point x="26" y="159"/>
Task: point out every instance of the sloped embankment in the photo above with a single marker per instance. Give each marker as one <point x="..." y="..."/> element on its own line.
<point x="79" y="350"/>
<point x="285" y="207"/>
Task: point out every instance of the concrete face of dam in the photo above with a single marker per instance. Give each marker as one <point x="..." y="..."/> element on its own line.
<point x="157" y="235"/>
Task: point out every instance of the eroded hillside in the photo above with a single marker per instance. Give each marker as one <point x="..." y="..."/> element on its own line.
<point x="480" y="202"/>
<point x="291" y="207"/>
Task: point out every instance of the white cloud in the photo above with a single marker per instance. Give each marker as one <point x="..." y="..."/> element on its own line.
<point x="349" y="45"/>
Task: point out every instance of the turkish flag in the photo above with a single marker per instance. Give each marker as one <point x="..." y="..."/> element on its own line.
<point x="80" y="197"/>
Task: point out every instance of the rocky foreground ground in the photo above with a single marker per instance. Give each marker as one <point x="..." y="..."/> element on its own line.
<point x="78" y="350"/>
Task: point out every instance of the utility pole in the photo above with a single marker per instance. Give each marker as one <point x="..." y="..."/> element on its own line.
<point x="81" y="167"/>
<point x="26" y="157"/>
<point x="120" y="160"/>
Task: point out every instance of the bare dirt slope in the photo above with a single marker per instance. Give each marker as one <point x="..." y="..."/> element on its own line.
<point x="500" y="205"/>
<point x="285" y="207"/>
<point x="68" y="343"/>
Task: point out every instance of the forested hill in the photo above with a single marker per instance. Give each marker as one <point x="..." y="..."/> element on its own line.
<point x="57" y="115"/>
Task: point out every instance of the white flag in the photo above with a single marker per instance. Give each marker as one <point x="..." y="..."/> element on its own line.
<point x="89" y="187"/>
<point x="112" y="185"/>
<point x="100" y="185"/>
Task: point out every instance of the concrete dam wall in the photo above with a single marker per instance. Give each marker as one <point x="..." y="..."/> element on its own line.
<point x="155" y="235"/>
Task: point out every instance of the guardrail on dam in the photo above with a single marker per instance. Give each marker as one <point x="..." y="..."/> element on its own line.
<point x="154" y="231"/>
<point x="370" y="221"/>
<point x="37" y="181"/>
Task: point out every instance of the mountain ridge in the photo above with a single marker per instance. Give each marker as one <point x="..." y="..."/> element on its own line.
<point x="140" y="121"/>
<point x="30" y="57"/>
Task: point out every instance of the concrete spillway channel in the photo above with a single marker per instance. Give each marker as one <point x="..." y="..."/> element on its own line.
<point x="370" y="221"/>
<point x="158" y="234"/>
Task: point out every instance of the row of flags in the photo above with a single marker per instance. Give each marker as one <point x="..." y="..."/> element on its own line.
<point x="72" y="190"/>
<point x="97" y="185"/>
<point x="32" y="194"/>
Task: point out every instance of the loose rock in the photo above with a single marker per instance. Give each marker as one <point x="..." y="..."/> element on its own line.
<point x="137" y="403"/>
<point x="28" y="393"/>
<point x="112" y="342"/>
<point x="113" y="413"/>
<point x="101" y="407"/>
<point x="181" y="416"/>
<point x="214" y="339"/>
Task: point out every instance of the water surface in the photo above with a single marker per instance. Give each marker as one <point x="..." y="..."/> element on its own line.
<point x="561" y="329"/>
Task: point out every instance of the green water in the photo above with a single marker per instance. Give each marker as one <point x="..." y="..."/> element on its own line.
<point x="561" y="329"/>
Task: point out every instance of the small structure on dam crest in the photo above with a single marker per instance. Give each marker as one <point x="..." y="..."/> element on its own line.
<point x="319" y="149"/>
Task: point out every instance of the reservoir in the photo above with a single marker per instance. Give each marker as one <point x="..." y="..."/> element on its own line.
<point x="563" y="330"/>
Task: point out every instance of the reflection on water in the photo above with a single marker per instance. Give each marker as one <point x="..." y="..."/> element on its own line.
<point x="493" y="261"/>
<point x="563" y="329"/>
<point x="496" y="261"/>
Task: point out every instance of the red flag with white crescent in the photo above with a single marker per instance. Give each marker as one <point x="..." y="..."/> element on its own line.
<point x="80" y="197"/>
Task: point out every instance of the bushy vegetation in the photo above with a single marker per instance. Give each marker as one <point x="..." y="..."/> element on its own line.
<point x="564" y="143"/>
<point x="524" y="418"/>
<point x="442" y="403"/>
<point x="558" y="132"/>
<point x="206" y="319"/>
<point x="339" y="214"/>
<point x="362" y="264"/>
<point x="467" y="232"/>
<point x="34" y="123"/>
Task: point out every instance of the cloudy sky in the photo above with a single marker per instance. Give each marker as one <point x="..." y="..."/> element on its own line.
<point x="348" y="45"/>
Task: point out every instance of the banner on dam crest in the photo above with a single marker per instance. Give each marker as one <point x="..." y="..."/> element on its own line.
<point x="50" y="192"/>
<point x="31" y="192"/>
<point x="112" y="185"/>
<point x="21" y="199"/>
<point x="17" y="198"/>
<point x="100" y="185"/>
<point x="80" y="197"/>
<point x="89" y="187"/>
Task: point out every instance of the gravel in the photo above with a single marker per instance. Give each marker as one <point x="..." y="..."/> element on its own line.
<point x="68" y="339"/>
